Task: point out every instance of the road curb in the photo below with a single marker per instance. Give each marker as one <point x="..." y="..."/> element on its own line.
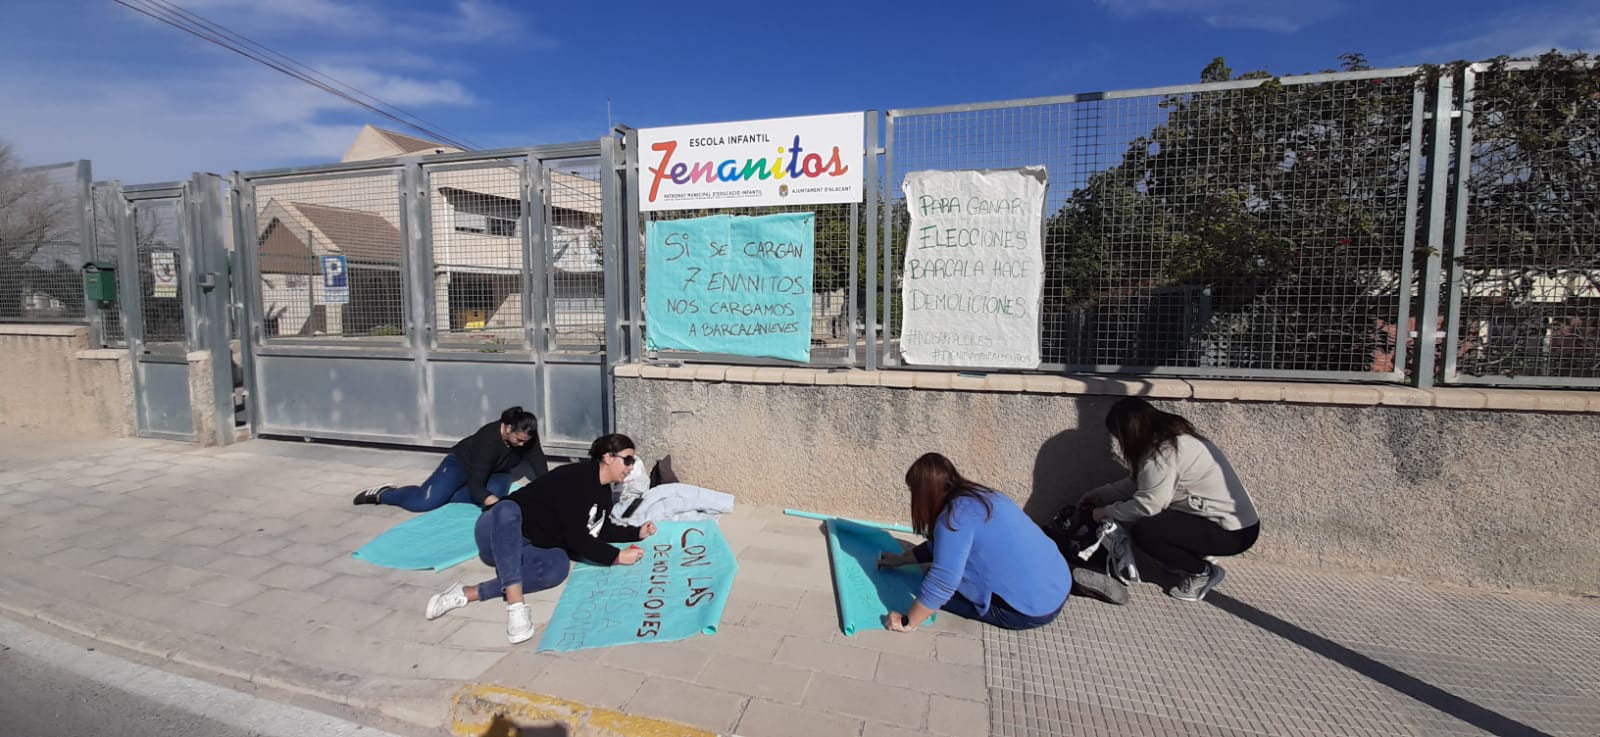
<point x="482" y="709"/>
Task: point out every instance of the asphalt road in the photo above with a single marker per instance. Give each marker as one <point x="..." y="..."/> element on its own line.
<point x="50" y="687"/>
<point x="44" y="700"/>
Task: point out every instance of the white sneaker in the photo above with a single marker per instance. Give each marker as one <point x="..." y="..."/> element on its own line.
<point x="454" y="597"/>
<point x="519" y="623"/>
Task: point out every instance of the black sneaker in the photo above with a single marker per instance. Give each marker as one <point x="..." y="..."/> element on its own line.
<point x="370" y="496"/>
<point x="1097" y="585"/>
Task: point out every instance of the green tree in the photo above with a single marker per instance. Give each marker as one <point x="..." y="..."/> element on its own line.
<point x="34" y="216"/>
<point x="1255" y="227"/>
<point x="1531" y="264"/>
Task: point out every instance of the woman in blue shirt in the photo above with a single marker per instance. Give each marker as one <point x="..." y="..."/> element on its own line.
<point x="990" y="562"/>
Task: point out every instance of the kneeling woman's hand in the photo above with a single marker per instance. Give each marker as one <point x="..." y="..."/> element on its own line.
<point x="900" y="623"/>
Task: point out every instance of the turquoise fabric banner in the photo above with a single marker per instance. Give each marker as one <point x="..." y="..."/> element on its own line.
<point x="677" y="590"/>
<point x="438" y="540"/>
<point x="867" y="593"/>
<point x="731" y="284"/>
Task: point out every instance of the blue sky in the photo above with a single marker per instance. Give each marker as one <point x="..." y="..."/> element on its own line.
<point x="92" y="79"/>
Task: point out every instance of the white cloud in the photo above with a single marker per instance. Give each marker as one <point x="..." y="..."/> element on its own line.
<point x="1282" y="16"/>
<point x="462" y="22"/>
<point x="146" y="103"/>
<point x="139" y="129"/>
<point x="1523" y="32"/>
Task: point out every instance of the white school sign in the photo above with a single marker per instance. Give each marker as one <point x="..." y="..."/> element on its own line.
<point x="779" y="161"/>
<point x="974" y="269"/>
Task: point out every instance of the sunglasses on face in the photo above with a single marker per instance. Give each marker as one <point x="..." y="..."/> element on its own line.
<point x="627" y="460"/>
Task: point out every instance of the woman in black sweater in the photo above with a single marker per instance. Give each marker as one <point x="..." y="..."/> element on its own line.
<point x="561" y="516"/>
<point x="475" y="469"/>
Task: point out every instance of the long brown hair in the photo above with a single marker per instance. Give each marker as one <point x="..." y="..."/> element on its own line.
<point x="1142" y="429"/>
<point x="935" y="483"/>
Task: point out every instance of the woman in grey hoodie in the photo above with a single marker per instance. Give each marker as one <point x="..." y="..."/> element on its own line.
<point x="1182" y="503"/>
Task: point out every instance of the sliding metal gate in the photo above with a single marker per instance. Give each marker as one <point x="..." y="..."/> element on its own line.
<point x="411" y="300"/>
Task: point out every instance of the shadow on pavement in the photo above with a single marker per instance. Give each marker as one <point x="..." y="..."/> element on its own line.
<point x="1424" y="692"/>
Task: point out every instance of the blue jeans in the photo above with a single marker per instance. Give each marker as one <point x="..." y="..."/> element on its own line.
<point x="515" y="560"/>
<point x="1000" y="613"/>
<point x="447" y="484"/>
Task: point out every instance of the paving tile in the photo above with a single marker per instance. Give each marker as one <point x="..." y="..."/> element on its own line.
<point x="121" y="569"/>
<point x="919" y="674"/>
<point x="918" y="644"/>
<point x="851" y="662"/>
<point x="957" y="650"/>
<point x="238" y="565"/>
<point x="206" y="536"/>
<point x="225" y="590"/>
<point x="589" y="683"/>
<point x="359" y="588"/>
<point x="685" y="702"/>
<point x="480" y="636"/>
<point x="769" y="719"/>
<point x="866" y="700"/>
<point x="293" y="577"/>
<point x="763" y="594"/>
<point x="733" y="639"/>
<point x="670" y="659"/>
<point x="283" y="603"/>
<point x="76" y="558"/>
<point x="792" y="622"/>
<point x="957" y="717"/>
<point x="761" y="679"/>
<point x="257" y="545"/>
<point x="170" y="579"/>
<point x="879" y="729"/>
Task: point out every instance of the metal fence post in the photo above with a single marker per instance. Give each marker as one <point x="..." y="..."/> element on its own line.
<point x="1458" y="246"/>
<point x="615" y="290"/>
<point x="84" y="190"/>
<point x="1438" y="191"/>
<point x="888" y="238"/>
<point x="868" y="301"/>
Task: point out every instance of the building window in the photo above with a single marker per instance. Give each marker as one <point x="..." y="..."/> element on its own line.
<point x="470" y="217"/>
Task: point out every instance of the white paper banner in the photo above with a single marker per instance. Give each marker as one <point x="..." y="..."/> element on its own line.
<point x="779" y="161"/>
<point x="974" y="269"/>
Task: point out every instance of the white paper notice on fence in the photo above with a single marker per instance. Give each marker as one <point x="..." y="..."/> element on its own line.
<point x="974" y="269"/>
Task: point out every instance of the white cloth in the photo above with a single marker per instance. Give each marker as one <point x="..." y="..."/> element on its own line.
<point x="673" y="503"/>
<point x="1119" y="552"/>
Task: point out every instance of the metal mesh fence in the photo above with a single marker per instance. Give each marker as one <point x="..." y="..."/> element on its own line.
<point x="838" y="275"/>
<point x="157" y="232"/>
<point x="303" y="226"/>
<point x="479" y="229"/>
<point x="575" y="255"/>
<point x="1230" y="228"/>
<point x="41" y="252"/>
<point x="1529" y="267"/>
<point x="107" y="205"/>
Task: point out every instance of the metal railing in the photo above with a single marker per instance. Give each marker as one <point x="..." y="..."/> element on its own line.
<point x="1524" y="260"/>
<point x="46" y="218"/>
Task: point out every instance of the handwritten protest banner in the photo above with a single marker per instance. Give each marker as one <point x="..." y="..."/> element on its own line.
<point x="731" y="284"/>
<point x="677" y="590"/>
<point x="866" y="593"/>
<point x="974" y="268"/>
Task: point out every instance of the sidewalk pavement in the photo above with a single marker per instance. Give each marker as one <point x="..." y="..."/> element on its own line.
<point x="237" y="561"/>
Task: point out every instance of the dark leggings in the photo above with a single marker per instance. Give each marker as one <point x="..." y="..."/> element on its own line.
<point x="447" y="483"/>
<point x="1182" y="541"/>
<point x="1000" y="613"/>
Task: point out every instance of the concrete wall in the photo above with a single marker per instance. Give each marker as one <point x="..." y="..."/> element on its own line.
<point x="1490" y="488"/>
<point x="51" y="379"/>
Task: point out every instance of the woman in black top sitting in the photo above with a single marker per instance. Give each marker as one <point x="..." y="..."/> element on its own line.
<point x="529" y="539"/>
<point x="475" y="469"/>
